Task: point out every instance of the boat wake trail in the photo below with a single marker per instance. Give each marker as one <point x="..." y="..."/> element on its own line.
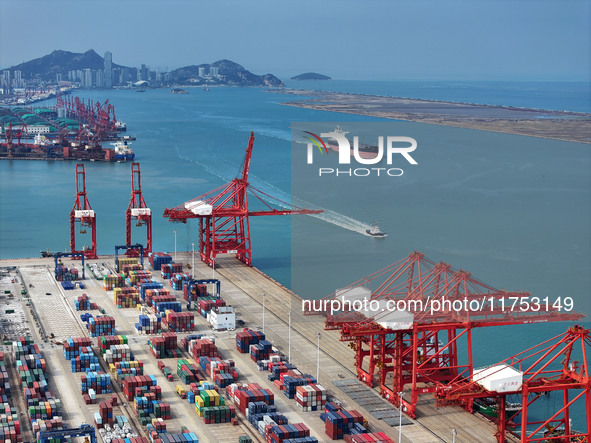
<point x="328" y="216"/>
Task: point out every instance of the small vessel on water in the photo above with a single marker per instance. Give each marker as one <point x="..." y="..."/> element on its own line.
<point x="375" y="231"/>
<point x="122" y="150"/>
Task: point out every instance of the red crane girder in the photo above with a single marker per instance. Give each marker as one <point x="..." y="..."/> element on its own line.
<point x="223" y="215"/>
<point x="138" y="210"/>
<point x="409" y="326"/>
<point x="82" y="212"/>
<point x="546" y="367"/>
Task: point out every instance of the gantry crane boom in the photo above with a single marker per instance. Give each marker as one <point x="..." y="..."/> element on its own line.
<point x="224" y="215"/>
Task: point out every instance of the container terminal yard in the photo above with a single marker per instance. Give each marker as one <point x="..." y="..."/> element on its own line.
<point x="151" y="346"/>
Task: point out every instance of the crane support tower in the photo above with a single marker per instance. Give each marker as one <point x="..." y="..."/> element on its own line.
<point x="413" y="348"/>
<point x="83" y="213"/>
<point x="532" y="374"/>
<point x="138" y="210"/>
<point x="223" y="215"/>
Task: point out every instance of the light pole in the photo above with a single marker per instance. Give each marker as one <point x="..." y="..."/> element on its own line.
<point x="174" y="245"/>
<point x="318" y="358"/>
<point x="213" y="268"/>
<point x="453" y="435"/>
<point x="400" y="417"/>
<point x="193" y="258"/>
<point x="289" y="337"/>
<point x="263" y="312"/>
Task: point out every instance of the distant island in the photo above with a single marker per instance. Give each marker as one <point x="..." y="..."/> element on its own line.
<point x="90" y="70"/>
<point x="311" y="76"/>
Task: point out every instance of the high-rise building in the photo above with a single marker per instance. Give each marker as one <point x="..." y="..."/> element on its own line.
<point x="202" y="72"/>
<point x="108" y="82"/>
<point x="144" y="73"/>
<point x="87" y="78"/>
<point x="214" y="71"/>
<point x="100" y="79"/>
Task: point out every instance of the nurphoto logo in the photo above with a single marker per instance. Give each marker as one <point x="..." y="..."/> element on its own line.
<point x="362" y="154"/>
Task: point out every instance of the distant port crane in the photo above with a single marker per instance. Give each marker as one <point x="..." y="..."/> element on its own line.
<point x="82" y="212"/>
<point x="138" y="210"/>
<point x="223" y="215"/>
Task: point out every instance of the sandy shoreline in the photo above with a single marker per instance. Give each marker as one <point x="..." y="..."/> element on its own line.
<point x="558" y="125"/>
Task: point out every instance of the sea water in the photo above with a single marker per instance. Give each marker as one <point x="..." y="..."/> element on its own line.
<point x="512" y="210"/>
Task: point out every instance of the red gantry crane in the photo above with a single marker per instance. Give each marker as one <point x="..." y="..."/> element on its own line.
<point x="138" y="210"/>
<point x="532" y="374"/>
<point x="223" y="215"/>
<point x="83" y="213"/>
<point x="420" y="312"/>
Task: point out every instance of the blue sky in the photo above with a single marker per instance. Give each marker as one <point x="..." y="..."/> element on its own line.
<point x="346" y="39"/>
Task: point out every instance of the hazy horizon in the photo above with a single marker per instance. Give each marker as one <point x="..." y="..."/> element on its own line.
<point x="345" y="39"/>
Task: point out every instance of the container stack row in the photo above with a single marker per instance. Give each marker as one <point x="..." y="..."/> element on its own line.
<point x="101" y="325"/>
<point x="149" y="324"/>
<point x="157" y="259"/>
<point x="179" y="321"/>
<point x="164" y="346"/>
<point x="246" y="338"/>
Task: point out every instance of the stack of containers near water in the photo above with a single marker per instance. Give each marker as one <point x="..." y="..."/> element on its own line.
<point x="150" y="285"/>
<point x="282" y="433"/>
<point x="168" y="270"/>
<point x="292" y="379"/>
<point x="310" y="397"/>
<point x="339" y="422"/>
<point x="30" y="366"/>
<point x="202" y="348"/>
<point x="101" y="325"/>
<point x="113" y="281"/>
<point x="83" y="303"/>
<point x="134" y="277"/>
<point x="164" y="346"/>
<point x="127" y="261"/>
<point x="177" y="280"/>
<point x="157" y="259"/>
<point x="261" y="350"/>
<point x="246" y="338"/>
<point x="162" y="306"/>
<point x="10" y="427"/>
<point x="134" y="386"/>
<point x="99" y="382"/>
<point x="4" y="381"/>
<point x="126" y="297"/>
<point x="149" y="324"/>
<point x="158" y="295"/>
<point x="64" y="274"/>
<point x="180" y="321"/>
<point x="206" y="305"/>
<point x="186" y="437"/>
<point x="187" y="371"/>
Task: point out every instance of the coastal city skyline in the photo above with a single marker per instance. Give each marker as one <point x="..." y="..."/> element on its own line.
<point x="544" y="40"/>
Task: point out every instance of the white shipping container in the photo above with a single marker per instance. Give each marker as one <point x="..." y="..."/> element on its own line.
<point x="500" y="378"/>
